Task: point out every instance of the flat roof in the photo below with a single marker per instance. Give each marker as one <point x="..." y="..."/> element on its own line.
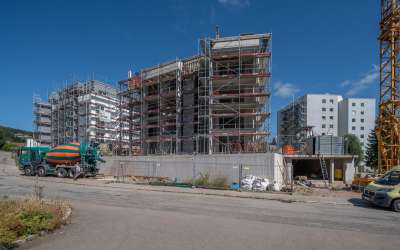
<point x="242" y="37"/>
<point x="316" y="157"/>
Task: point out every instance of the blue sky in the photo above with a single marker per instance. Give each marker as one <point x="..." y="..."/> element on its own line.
<point x="318" y="46"/>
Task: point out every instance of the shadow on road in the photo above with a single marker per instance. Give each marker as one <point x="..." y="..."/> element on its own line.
<point x="362" y="203"/>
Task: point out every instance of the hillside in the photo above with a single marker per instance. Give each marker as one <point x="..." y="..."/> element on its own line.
<point x="11" y="136"/>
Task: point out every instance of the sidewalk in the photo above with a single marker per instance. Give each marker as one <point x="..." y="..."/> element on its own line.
<point x="283" y="197"/>
<point x="326" y="197"/>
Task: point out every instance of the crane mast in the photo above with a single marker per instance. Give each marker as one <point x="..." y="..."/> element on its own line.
<point x="388" y="129"/>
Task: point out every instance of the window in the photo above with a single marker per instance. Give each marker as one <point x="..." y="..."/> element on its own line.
<point x="362" y="144"/>
<point x="362" y="104"/>
<point x="323" y="100"/>
<point x="331" y="101"/>
<point x="331" y="117"/>
<point x="353" y="128"/>
<point x="331" y="109"/>
<point x="323" y="133"/>
<point x="362" y="120"/>
<point x="353" y="104"/>
<point x="394" y="178"/>
<point x="323" y="117"/>
<point x="353" y="120"/>
<point x="353" y="112"/>
<point x="323" y="125"/>
<point x="362" y="136"/>
<point x="362" y="128"/>
<point x="331" y="126"/>
<point x="323" y="109"/>
<point x="362" y="112"/>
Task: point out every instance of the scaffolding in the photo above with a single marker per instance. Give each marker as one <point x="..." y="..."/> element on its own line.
<point x="239" y="73"/>
<point x="214" y="102"/>
<point x="42" y="121"/>
<point x="84" y="111"/>
<point x="388" y="131"/>
<point x="292" y="124"/>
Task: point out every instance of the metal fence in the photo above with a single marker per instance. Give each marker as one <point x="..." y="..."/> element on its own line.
<point x="188" y="169"/>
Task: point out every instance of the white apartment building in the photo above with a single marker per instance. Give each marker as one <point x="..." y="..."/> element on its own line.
<point x="311" y="114"/>
<point x="357" y="116"/>
<point x="325" y="114"/>
<point x="83" y="110"/>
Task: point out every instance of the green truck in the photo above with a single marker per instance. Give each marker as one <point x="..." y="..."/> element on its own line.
<point x="385" y="191"/>
<point x="68" y="160"/>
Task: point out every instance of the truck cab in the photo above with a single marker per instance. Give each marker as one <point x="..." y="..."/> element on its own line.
<point x="385" y="191"/>
<point x="29" y="159"/>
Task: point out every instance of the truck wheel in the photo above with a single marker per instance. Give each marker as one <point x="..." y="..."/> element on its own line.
<point x="28" y="171"/>
<point x="41" y="171"/>
<point x="62" y="173"/>
<point x="396" y="205"/>
<point x="71" y="173"/>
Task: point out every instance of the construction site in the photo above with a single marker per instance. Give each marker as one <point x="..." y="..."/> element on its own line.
<point x="200" y="139"/>
<point x="211" y="111"/>
<point x="216" y="102"/>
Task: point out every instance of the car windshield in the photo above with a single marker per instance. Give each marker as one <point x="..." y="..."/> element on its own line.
<point x="383" y="180"/>
<point x="391" y="178"/>
<point x="394" y="178"/>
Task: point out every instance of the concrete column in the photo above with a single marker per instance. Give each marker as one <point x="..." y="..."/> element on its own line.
<point x="349" y="172"/>
<point x="332" y="171"/>
<point x="289" y="165"/>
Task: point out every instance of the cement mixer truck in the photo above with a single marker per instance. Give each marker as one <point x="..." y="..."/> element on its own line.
<point x="61" y="161"/>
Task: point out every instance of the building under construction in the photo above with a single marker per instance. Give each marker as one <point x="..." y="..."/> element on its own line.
<point x="42" y="121"/>
<point x="83" y="110"/>
<point x="214" y="102"/>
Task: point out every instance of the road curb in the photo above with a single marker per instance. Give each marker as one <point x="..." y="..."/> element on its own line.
<point x="289" y="199"/>
<point x="280" y="199"/>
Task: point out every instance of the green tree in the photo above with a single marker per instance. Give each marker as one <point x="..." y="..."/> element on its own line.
<point x="2" y="139"/>
<point x="353" y="146"/>
<point x="371" y="154"/>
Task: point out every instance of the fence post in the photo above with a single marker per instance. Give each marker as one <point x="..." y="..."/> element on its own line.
<point x="121" y="172"/>
<point x="240" y="175"/>
<point x="154" y="174"/>
<point x="194" y="172"/>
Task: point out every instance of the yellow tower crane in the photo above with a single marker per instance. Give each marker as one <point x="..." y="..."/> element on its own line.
<point x="388" y="129"/>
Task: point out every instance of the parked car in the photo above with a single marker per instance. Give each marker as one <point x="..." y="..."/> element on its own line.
<point x="385" y="191"/>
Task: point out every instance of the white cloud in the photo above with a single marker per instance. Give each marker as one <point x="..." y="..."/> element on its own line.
<point x="284" y="90"/>
<point x="234" y="3"/>
<point x="366" y="80"/>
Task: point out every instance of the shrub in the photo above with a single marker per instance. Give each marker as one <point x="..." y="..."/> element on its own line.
<point x="206" y="181"/>
<point x="9" y="147"/>
<point x="220" y="182"/>
<point x="21" y="218"/>
<point x="203" y="180"/>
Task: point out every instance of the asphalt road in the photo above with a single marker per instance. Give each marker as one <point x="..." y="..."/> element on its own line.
<point x="112" y="218"/>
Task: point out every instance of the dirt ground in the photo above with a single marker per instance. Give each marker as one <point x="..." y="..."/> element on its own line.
<point x="7" y="164"/>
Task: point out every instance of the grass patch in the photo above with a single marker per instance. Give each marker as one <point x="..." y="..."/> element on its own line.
<point x="206" y="181"/>
<point x="21" y="218"/>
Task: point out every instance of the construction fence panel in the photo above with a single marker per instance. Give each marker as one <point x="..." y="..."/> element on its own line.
<point x="188" y="169"/>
